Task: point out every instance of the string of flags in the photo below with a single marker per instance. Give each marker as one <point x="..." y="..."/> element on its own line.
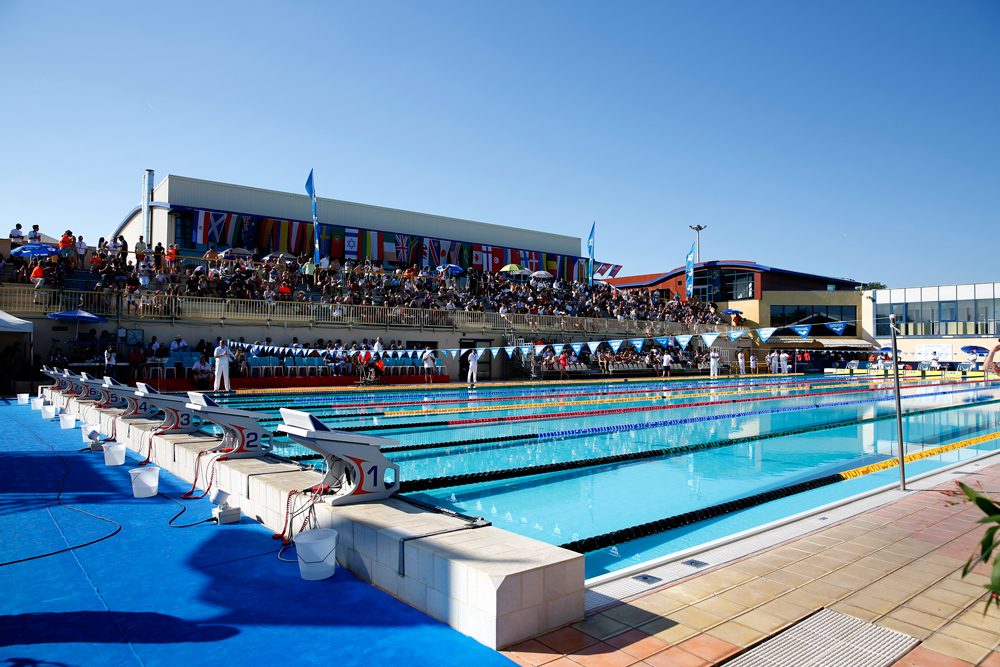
<point x="638" y="343"/>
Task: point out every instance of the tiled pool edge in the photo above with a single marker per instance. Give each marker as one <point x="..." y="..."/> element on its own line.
<point x="492" y="585"/>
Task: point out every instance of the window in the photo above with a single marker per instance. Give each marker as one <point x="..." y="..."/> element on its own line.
<point x="881" y="319"/>
<point x="184" y="230"/>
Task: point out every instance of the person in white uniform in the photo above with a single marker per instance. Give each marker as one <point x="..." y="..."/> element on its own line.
<point x="713" y="366"/>
<point x="774" y="362"/>
<point x="935" y="362"/>
<point x="429" y="360"/>
<point x="753" y="362"/>
<point x="784" y="362"/>
<point x="473" y="368"/>
<point x="743" y="365"/>
<point x="221" y="355"/>
<point x="973" y="360"/>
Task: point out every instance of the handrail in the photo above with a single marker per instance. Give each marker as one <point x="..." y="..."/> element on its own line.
<point x="165" y="307"/>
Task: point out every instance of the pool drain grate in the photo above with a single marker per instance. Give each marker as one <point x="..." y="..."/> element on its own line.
<point x="829" y="639"/>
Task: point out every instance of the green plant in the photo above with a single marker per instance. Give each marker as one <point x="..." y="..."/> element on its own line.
<point x="989" y="544"/>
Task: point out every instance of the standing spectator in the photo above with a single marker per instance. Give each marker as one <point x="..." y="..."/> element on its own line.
<point x="67" y="246"/>
<point x="140" y="251"/>
<point x="713" y="365"/>
<point x="81" y="252"/>
<point x="110" y="362"/>
<point x="473" y="367"/>
<point x="16" y="236"/>
<point x="34" y="236"/>
<point x="122" y="250"/>
<point x="743" y="368"/>
<point x="563" y="360"/>
<point x="784" y="362"/>
<point x="221" y="355"/>
<point x="428" y="357"/>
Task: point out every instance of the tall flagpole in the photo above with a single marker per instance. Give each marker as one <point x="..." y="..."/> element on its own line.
<point x="590" y="246"/>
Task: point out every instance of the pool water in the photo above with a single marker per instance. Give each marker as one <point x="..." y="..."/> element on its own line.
<point x="836" y="424"/>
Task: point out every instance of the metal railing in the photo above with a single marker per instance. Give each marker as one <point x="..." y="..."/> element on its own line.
<point x="165" y="307"/>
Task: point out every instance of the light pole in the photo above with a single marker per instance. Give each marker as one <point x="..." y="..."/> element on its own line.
<point x="697" y="241"/>
<point x="899" y="411"/>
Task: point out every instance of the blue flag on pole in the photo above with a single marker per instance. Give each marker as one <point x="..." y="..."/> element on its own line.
<point x="590" y="249"/>
<point x="690" y="273"/>
<point x="311" y="191"/>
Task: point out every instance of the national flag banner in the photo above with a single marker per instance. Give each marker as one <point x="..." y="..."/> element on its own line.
<point x="352" y="244"/>
<point x="296" y="237"/>
<point x="614" y="270"/>
<point x="414" y="249"/>
<point x="577" y="347"/>
<point x="836" y="327"/>
<point x="510" y="351"/>
<point x="529" y="260"/>
<point x="371" y="245"/>
<point x="637" y="343"/>
<point x="233" y="233"/>
<point x="766" y="333"/>
<point x="264" y="233"/>
<point x="323" y="235"/>
<point x="337" y="241"/>
<point x="388" y="248"/>
<point x="525" y="350"/>
<point x="249" y="231"/>
<point x="402" y="248"/>
<point x="279" y="236"/>
<point x="593" y="345"/>
<point x="802" y="329"/>
<point x="455" y="253"/>
<point x="551" y="263"/>
<point x="479" y="254"/>
<point x="683" y="341"/>
<point x="615" y="344"/>
<point x="217" y="221"/>
<point x="496" y="255"/>
<point x="734" y="335"/>
<point x="495" y="351"/>
<point x="202" y="221"/>
<point x="434" y="252"/>
<point x="512" y="256"/>
<point x="709" y="338"/>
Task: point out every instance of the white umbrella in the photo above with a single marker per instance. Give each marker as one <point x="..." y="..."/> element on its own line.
<point x="236" y="252"/>
<point x="279" y="257"/>
<point x="542" y="274"/>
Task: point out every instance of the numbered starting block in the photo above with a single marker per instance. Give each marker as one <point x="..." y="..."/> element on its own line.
<point x="59" y="382"/>
<point x="355" y="468"/>
<point x="95" y="390"/>
<point x="177" y="418"/>
<point x="81" y="388"/>
<point x="242" y="434"/>
<point x="135" y="408"/>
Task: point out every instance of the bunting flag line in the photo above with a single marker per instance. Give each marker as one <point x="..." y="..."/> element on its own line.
<point x="836" y="327"/>
<point x="801" y="329"/>
<point x="735" y="335"/>
<point x="538" y="349"/>
<point x="709" y="338"/>
<point x="637" y="344"/>
<point x="495" y="351"/>
<point x="454" y="353"/>
<point x="525" y="350"/>
<point x="577" y="347"/>
<point x="615" y="344"/>
<point x="683" y="341"/>
<point x="593" y="345"/>
<point x="663" y="340"/>
<point x="510" y="351"/>
<point x="766" y="333"/>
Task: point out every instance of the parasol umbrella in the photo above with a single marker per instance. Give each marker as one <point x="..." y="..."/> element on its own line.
<point x="235" y="252"/>
<point x="511" y="267"/>
<point x="280" y="257"/>
<point x="35" y="250"/>
<point x="452" y="269"/>
<point x="77" y="316"/>
<point x="732" y="311"/>
<point x="542" y="274"/>
<point x="975" y="349"/>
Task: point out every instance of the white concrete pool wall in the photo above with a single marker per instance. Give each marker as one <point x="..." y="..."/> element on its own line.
<point x="497" y="587"/>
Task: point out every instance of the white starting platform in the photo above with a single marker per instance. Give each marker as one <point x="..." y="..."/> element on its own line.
<point x="356" y="470"/>
<point x="242" y="435"/>
<point x="135" y="407"/>
<point x="177" y="417"/>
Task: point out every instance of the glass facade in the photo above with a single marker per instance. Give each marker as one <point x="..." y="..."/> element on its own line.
<point x="948" y="317"/>
<point x="723" y="285"/>
<point x="786" y="316"/>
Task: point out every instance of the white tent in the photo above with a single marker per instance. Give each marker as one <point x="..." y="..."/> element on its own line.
<point x="11" y="324"/>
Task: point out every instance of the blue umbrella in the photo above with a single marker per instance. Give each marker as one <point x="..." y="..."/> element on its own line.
<point x="452" y="269"/>
<point x="732" y="311"/>
<point x="975" y="349"/>
<point x="77" y="316"/>
<point x="35" y="250"/>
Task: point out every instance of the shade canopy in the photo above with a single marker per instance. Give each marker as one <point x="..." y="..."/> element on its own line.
<point x="35" y="250"/>
<point x="975" y="349"/>
<point x="11" y="324"/>
<point x="452" y="269"/>
<point x="542" y="274"/>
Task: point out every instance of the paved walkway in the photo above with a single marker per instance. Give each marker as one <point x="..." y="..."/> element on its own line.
<point x="899" y="566"/>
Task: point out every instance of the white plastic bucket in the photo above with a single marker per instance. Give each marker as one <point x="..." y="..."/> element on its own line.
<point x="145" y="481"/>
<point x="67" y="421"/>
<point x="37" y="403"/>
<point x="22" y="399"/>
<point x="317" y="552"/>
<point x="114" y="454"/>
<point x="49" y="411"/>
<point x="90" y="432"/>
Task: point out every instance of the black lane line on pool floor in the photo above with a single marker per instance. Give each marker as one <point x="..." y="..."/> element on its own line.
<point x="427" y="484"/>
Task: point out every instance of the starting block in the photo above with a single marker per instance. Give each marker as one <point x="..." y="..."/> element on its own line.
<point x="242" y="434"/>
<point x="177" y="418"/>
<point x="85" y="387"/>
<point x="355" y="468"/>
<point x="58" y="378"/>
<point x="135" y="408"/>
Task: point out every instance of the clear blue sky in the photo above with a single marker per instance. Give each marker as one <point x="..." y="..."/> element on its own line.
<point x="855" y="139"/>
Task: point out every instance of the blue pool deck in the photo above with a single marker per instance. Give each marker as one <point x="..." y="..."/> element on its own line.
<point x="156" y="595"/>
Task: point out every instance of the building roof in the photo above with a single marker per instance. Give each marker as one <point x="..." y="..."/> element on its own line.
<point x="650" y="279"/>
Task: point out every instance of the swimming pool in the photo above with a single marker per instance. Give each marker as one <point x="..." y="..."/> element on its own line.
<point x="563" y="463"/>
